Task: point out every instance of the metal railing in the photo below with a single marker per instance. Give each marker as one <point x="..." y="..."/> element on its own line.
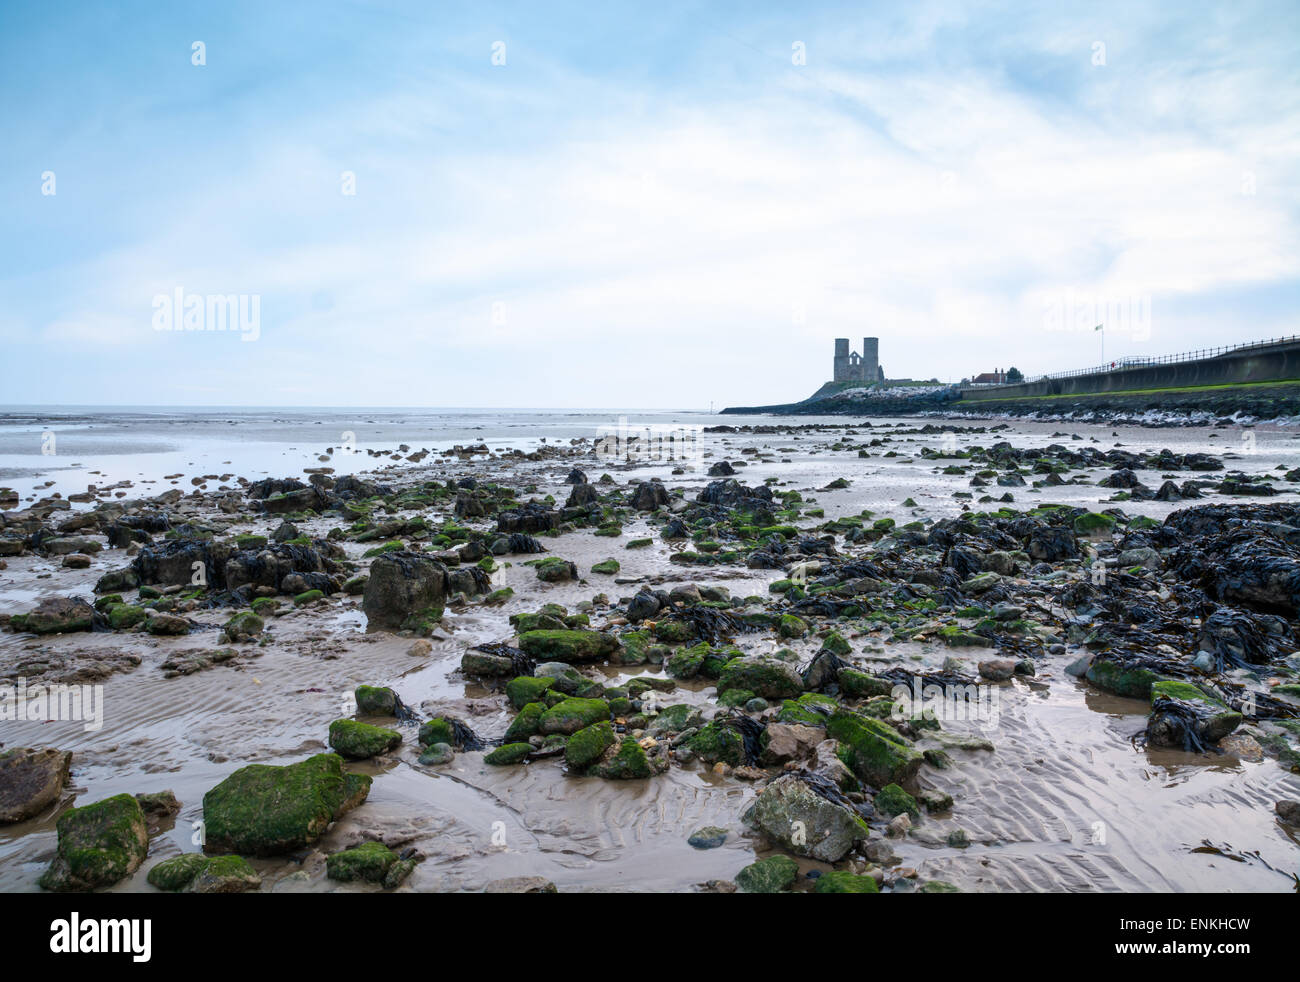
<point x="1130" y="362"/>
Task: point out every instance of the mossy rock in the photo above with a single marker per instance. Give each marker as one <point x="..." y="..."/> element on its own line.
<point x="673" y="632"/>
<point x="307" y="597"/>
<point x="572" y="714"/>
<point x="791" y="626"/>
<point x="762" y="676"/>
<point x="770" y="875"/>
<point x="367" y="863"/>
<point x="1091" y="522"/>
<point x="527" y="688"/>
<point x="175" y="874"/>
<point x="1135" y="683"/>
<point x="436" y="730"/>
<point x="359" y="741"/>
<point x="893" y="800"/>
<point x="842" y="881"/>
<point x="568" y="645"/>
<point x="195" y="873"/>
<point x="835" y="643"/>
<point x="528" y="723"/>
<point x="874" y="750"/>
<point x="265" y="810"/>
<point x="628" y="763"/>
<point x="243" y="625"/>
<point x="955" y="637"/>
<point x="938" y="886"/>
<point x="373" y="700"/>
<point x="860" y="685"/>
<point x="674" y="719"/>
<point x="607" y="567"/>
<point x="714" y="742"/>
<point x="508" y="753"/>
<point x="588" y="745"/>
<point x="225" y="874"/>
<point x="99" y="844"/>
<point x="124" y="617"/>
<point x="811" y="709"/>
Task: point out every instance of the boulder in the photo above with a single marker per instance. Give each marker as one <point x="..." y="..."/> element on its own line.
<point x="264" y="810"/>
<point x="31" y="781"/>
<point x="802" y="818"/>
<point x="99" y="845"/>
<point x="56" y="615"/>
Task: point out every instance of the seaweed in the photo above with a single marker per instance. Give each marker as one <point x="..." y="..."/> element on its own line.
<point x="750" y="730"/>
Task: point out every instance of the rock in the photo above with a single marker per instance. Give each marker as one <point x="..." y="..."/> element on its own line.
<point x="1145" y="557"/>
<point x="981" y="582"/>
<point x="242" y="627"/>
<point x="844" y="881"/>
<point x="643" y="606"/>
<point x="801" y="819"/>
<point x="771" y="875"/>
<point x="568" y="645"/>
<point x="708" y="837"/>
<point x="437" y="754"/>
<point x="264" y="810"/>
<point x="56" y="615"/>
<point x="368" y="863"/>
<point x="997" y="669"/>
<point x="893" y="800"/>
<point x="588" y="745"/>
<point x="791" y="741"/>
<point x="376" y="700"/>
<point x="407" y="591"/>
<point x="627" y="763"/>
<point x="76" y="560"/>
<point x="509" y="753"/>
<point x="1183" y="716"/>
<point x="1288" y="810"/>
<point x="175" y="874"/>
<point x="582" y="495"/>
<point x="1051" y="544"/>
<point x="572" y="714"/>
<point x="484" y="665"/>
<point x="649" y="495"/>
<point x="167" y="625"/>
<point x="420" y="648"/>
<point x="521" y="884"/>
<point x="99" y="845"/>
<point x="71" y="545"/>
<point x="877" y="753"/>
<point x="223" y="874"/>
<point x="31" y="781"/>
<point x="360" y="741"/>
<point x="899" y="826"/>
<point x="761" y="675"/>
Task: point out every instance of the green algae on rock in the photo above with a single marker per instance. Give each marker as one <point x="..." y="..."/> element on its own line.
<point x="99" y="844"/>
<point x="265" y="810"/>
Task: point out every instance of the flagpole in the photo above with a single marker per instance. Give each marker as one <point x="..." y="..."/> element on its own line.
<point x="1102" y="329"/>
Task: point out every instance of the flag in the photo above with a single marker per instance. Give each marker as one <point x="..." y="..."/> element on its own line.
<point x="1098" y="327"/>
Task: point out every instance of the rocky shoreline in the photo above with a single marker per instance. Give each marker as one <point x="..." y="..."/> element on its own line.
<point x="1218" y="405"/>
<point x="832" y="666"/>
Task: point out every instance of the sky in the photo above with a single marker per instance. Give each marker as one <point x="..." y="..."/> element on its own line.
<point x="668" y="205"/>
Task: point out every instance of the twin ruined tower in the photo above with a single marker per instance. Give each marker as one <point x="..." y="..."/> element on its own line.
<point x="852" y="367"/>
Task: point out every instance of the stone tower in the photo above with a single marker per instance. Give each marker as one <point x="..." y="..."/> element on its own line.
<point x="852" y="367"/>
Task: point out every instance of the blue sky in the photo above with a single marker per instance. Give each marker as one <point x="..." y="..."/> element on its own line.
<point x="645" y="205"/>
